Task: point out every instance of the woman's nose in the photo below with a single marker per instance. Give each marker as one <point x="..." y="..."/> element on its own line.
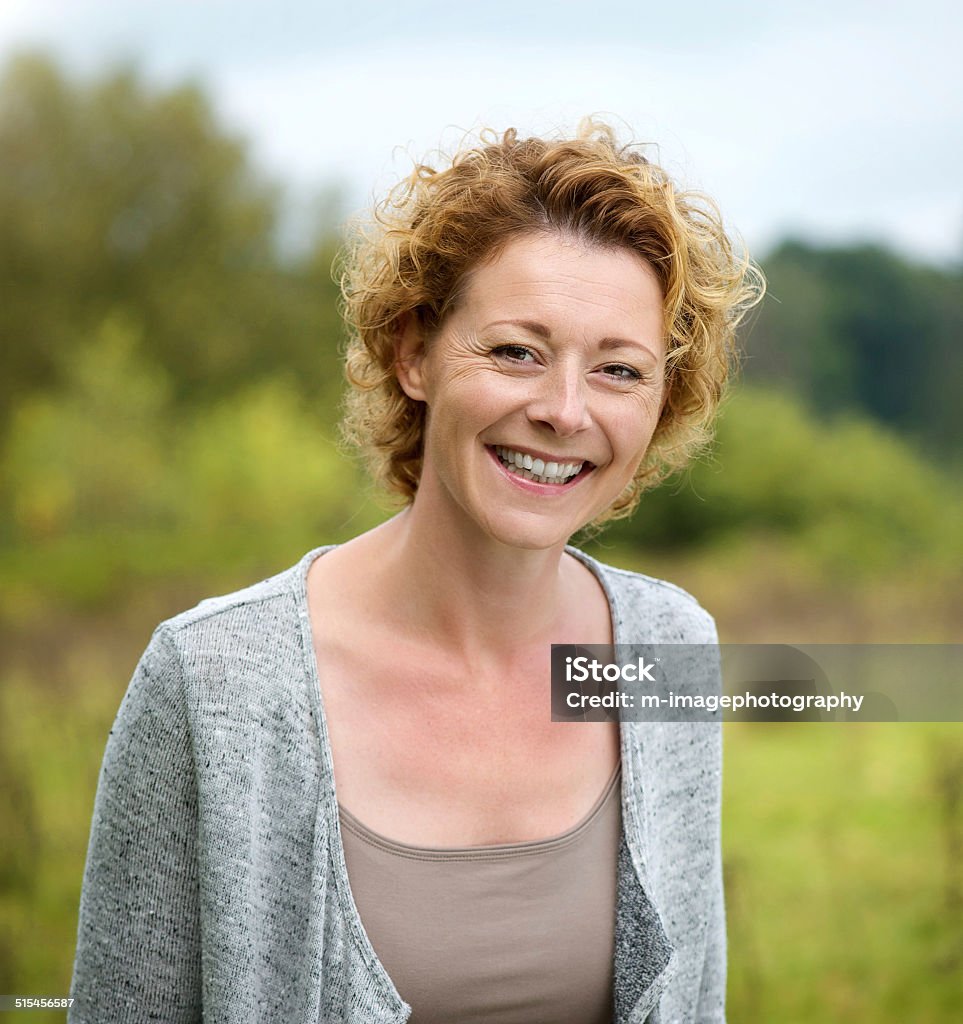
<point x="560" y="402"/>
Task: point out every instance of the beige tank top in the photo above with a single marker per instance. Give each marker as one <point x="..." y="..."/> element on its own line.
<point x="521" y="933"/>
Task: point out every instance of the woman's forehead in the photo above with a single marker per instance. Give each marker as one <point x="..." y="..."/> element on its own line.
<point x="566" y="276"/>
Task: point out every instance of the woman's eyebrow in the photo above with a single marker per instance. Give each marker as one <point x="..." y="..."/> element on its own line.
<point x="609" y="343"/>
<point x="542" y="331"/>
<point x="532" y="326"/>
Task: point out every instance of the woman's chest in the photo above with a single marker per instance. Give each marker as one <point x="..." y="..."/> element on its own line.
<point x="429" y="754"/>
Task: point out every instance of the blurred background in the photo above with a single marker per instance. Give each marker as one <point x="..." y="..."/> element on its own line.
<point x="174" y="181"/>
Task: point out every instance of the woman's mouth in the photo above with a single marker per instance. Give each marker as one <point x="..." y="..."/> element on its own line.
<point x="540" y="471"/>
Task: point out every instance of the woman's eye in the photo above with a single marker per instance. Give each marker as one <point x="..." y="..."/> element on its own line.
<point x="622" y="372"/>
<point x="516" y="353"/>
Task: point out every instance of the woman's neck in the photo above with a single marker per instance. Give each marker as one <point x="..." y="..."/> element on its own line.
<point x="466" y="591"/>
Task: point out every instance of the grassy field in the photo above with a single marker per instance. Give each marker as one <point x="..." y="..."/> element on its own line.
<point x="843" y="843"/>
<point x="843" y="872"/>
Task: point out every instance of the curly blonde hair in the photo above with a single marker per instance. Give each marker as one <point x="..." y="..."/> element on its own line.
<point x="436" y="226"/>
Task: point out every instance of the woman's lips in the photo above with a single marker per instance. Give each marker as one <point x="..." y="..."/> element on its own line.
<point x="538" y="473"/>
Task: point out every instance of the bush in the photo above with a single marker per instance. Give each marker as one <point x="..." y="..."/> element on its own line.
<point x="850" y="494"/>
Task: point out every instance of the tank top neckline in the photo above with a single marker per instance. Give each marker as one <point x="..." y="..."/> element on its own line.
<point x="495" y="851"/>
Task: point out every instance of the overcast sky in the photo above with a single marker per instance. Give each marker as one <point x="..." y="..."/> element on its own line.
<point x="833" y="121"/>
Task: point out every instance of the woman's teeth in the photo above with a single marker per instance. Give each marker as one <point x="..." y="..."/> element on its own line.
<point x="536" y="469"/>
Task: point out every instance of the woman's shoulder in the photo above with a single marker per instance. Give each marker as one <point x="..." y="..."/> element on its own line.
<point x="650" y="609"/>
<point x="255" y="634"/>
<point x="257" y="605"/>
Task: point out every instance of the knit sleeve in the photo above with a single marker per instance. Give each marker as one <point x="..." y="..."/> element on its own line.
<point x="712" y="994"/>
<point x="138" y="942"/>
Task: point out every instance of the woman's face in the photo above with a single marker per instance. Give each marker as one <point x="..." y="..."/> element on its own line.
<point x="544" y="386"/>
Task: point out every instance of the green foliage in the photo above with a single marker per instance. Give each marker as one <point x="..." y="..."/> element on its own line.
<point x="256" y="463"/>
<point x="850" y="495"/>
<point x="104" y="476"/>
<point x="52" y="743"/>
<point x="88" y="456"/>
<point x="120" y="198"/>
<point x="862" y="328"/>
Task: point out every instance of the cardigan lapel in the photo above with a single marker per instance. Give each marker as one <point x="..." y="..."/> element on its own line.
<point x="644" y="957"/>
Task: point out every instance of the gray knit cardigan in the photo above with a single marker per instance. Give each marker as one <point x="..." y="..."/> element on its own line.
<point x="215" y="886"/>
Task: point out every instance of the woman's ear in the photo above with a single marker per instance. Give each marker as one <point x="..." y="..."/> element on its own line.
<point x="409" y="358"/>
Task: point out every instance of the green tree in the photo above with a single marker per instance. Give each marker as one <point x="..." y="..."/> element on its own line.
<point x="117" y="197"/>
<point x="860" y="327"/>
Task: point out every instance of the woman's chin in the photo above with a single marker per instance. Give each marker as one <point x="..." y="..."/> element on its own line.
<point x="529" y="533"/>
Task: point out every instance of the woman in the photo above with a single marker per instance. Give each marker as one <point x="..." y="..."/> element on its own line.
<point x="338" y="795"/>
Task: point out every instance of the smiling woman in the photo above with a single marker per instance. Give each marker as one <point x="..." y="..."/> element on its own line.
<point x="339" y="795"/>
